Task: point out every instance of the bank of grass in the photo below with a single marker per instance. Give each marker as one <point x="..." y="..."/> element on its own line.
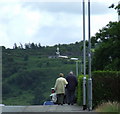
<point x="108" y="107"/>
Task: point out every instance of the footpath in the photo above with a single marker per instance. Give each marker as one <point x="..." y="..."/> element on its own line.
<point x="43" y="108"/>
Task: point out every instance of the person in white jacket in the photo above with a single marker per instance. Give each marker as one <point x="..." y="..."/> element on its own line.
<point x="60" y="84"/>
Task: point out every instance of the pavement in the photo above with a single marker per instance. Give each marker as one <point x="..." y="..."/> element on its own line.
<point x="43" y="108"/>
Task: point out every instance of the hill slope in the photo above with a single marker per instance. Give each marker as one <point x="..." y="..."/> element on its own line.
<point x="29" y="74"/>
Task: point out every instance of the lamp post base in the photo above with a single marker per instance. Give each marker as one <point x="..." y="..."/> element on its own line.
<point x="84" y="107"/>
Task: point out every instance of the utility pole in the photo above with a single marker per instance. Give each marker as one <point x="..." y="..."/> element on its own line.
<point x="84" y="59"/>
<point x="89" y="59"/>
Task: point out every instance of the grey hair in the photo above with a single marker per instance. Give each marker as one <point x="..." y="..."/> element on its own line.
<point x="71" y="72"/>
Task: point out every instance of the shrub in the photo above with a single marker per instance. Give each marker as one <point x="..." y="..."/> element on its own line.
<point x="80" y="89"/>
<point x="105" y="86"/>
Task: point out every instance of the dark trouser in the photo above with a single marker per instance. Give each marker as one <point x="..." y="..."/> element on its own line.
<point x="65" y="96"/>
<point x="60" y="98"/>
<point x="70" y="96"/>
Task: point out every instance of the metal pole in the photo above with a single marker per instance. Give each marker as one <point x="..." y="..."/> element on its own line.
<point x="84" y="44"/>
<point x="119" y="12"/>
<point x="84" y="59"/>
<point x="0" y="78"/>
<point x="77" y="68"/>
<point x="81" y="67"/>
<point x="89" y="58"/>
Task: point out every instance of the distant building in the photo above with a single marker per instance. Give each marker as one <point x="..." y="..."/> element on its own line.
<point x="58" y="55"/>
<point x="58" y="51"/>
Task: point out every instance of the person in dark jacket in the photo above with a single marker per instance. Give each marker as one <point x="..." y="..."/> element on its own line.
<point x="71" y="87"/>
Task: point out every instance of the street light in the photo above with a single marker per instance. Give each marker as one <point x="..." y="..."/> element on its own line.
<point x="89" y="59"/>
<point x="84" y="59"/>
<point x="76" y="60"/>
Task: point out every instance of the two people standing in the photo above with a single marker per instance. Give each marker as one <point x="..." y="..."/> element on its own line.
<point x="69" y="84"/>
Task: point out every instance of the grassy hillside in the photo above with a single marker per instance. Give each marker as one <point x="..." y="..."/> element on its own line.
<point x="29" y="74"/>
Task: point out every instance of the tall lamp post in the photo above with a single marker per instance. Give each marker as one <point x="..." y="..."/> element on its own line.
<point x="89" y="59"/>
<point x="84" y="59"/>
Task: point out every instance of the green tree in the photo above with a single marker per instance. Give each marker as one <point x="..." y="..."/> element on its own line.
<point x="106" y="56"/>
<point x="116" y="8"/>
<point x="15" y="46"/>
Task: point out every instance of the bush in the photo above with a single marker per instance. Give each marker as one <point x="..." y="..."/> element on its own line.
<point x="80" y="89"/>
<point x="105" y="86"/>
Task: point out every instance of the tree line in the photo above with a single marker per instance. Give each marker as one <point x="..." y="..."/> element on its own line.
<point x="27" y="46"/>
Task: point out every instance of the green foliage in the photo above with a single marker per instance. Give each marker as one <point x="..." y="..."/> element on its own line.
<point x="39" y="96"/>
<point x="80" y="89"/>
<point x="107" y="51"/>
<point x="24" y="98"/>
<point x="105" y="86"/>
<point x="29" y="74"/>
<point x="117" y="7"/>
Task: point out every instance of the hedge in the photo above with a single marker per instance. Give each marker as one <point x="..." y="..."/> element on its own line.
<point x="105" y="87"/>
<point x="80" y="89"/>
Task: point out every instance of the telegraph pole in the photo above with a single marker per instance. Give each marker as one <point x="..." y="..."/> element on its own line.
<point x="84" y="59"/>
<point x="89" y="58"/>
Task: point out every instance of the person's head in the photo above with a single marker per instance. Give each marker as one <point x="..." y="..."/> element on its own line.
<point x="71" y="72"/>
<point x="61" y="74"/>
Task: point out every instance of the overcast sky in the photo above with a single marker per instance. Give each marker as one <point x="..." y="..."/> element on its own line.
<point x="49" y="22"/>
